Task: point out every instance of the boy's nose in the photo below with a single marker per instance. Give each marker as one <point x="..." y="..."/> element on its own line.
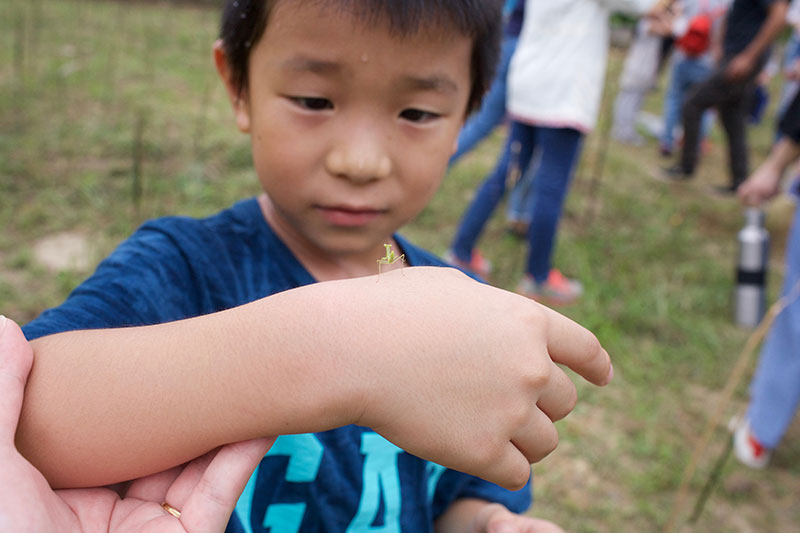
<point x="362" y="161"/>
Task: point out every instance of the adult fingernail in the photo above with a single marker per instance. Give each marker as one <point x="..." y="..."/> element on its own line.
<point x="3" y="321"/>
<point x="610" y="374"/>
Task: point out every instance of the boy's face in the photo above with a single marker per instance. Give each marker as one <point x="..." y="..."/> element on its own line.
<point x="352" y="127"/>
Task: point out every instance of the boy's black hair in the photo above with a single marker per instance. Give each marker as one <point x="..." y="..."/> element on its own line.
<point x="244" y="22"/>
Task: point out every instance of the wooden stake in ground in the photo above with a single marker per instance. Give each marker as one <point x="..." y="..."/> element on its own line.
<point x="735" y="378"/>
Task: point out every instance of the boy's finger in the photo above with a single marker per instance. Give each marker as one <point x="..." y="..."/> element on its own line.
<point x="537" y="438"/>
<point x="511" y="470"/>
<point x="213" y="499"/>
<point x="559" y="396"/>
<point x="16" y="358"/>
<point x="573" y="345"/>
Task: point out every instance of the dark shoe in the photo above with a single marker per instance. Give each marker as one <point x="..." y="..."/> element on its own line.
<point x="665" y="151"/>
<point x="725" y="191"/>
<point x="673" y="174"/>
<point x="517" y="228"/>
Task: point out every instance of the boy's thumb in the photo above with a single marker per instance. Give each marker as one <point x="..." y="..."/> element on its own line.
<point x="16" y="359"/>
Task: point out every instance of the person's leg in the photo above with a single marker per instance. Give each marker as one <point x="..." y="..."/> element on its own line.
<point x="560" y="148"/>
<point x="517" y="212"/>
<point x="701" y="97"/>
<point x="493" y="106"/>
<point x="733" y="116"/>
<point x="626" y="107"/>
<point x="673" y="102"/>
<point x="775" y="389"/>
<point x="491" y="191"/>
<point x="637" y="78"/>
<point x="697" y="72"/>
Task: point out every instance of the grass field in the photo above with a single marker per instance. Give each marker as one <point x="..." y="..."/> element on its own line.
<point x="111" y="113"/>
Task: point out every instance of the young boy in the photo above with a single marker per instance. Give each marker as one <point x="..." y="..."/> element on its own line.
<point x="353" y="108"/>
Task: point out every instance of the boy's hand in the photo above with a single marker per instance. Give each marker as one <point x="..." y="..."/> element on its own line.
<point x="205" y="490"/>
<point x="468" y="377"/>
<point x="497" y="519"/>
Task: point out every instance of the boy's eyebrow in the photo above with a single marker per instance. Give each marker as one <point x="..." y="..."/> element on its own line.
<point x="307" y="64"/>
<point x="439" y="83"/>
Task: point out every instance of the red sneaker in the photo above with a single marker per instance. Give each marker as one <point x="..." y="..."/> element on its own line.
<point x="477" y="264"/>
<point x="557" y="289"/>
<point x="746" y="447"/>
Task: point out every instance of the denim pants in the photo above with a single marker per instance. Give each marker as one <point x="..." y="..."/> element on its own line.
<point x="493" y="105"/>
<point x="558" y="149"/>
<point x="686" y="73"/>
<point x="775" y="389"/>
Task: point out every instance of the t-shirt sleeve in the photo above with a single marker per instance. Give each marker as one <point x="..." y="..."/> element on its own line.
<point x="790" y="121"/>
<point x="453" y="485"/>
<point x="146" y="280"/>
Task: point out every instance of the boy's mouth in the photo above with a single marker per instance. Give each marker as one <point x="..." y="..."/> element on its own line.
<point x="349" y="216"/>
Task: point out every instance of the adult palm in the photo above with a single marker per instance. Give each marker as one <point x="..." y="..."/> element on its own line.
<point x="205" y="489"/>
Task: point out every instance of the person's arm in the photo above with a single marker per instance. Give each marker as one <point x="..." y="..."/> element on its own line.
<point x="765" y="182"/>
<point x="718" y="29"/>
<point x="204" y="491"/>
<point x="742" y="65"/>
<point x="451" y="370"/>
<point x="478" y="516"/>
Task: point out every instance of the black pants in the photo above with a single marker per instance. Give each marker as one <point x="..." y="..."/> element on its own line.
<point x="732" y="101"/>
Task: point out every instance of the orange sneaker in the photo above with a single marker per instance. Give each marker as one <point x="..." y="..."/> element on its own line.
<point x="557" y="289"/>
<point x="477" y="264"/>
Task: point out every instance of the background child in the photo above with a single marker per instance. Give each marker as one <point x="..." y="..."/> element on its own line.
<point x="353" y="109"/>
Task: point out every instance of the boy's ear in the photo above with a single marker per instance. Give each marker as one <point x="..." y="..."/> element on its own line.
<point x="239" y="102"/>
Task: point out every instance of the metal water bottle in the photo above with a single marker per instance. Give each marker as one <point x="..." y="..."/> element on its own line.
<point x="751" y="270"/>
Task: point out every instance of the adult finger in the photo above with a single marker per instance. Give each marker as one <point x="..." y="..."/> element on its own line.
<point x="210" y="504"/>
<point x="559" y="395"/>
<point x="16" y="359"/>
<point x="191" y="473"/>
<point x="154" y="487"/>
<point x="570" y="344"/>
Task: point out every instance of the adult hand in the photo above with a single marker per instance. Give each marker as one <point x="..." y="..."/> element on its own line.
<point x="469" y="376"/>
<point x="204" y="490"/>
<point x="740" y="67"/>
<point x="762" y="185"/>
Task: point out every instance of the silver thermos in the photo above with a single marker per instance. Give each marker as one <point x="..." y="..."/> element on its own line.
<point x="751" y="270"/>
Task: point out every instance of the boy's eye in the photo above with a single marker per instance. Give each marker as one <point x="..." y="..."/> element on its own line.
<point x="311" y="103"/>
<point x="417" y="115"/>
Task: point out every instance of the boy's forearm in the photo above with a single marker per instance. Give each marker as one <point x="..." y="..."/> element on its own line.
<point x="461" y="516"/>
<point x="108" y="405"/>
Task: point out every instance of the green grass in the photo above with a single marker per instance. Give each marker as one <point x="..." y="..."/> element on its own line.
<point x="657" y="261"/>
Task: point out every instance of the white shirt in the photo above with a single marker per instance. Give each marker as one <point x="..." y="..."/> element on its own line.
<point x="557" y="72"/>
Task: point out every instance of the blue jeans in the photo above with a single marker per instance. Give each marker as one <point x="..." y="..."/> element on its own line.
<point x="775" y="389"/>
<point x="686" y="73"/>
<point x="790" y="87"/>
<point x="558" y="148"/>
<point x="493" y="106"/>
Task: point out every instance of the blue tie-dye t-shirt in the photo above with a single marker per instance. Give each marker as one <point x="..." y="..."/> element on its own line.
<point x="348" y="479"/>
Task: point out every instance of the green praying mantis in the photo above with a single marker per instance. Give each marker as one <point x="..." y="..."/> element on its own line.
<point x="390" y="258"/>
